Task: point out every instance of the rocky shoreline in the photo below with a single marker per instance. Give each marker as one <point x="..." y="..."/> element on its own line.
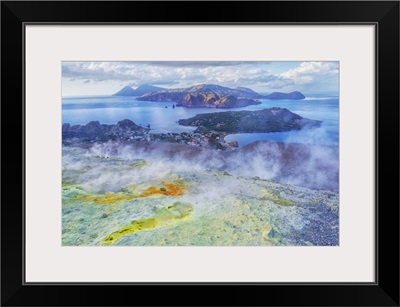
<point x="210" y="132"/>
<point x="266" y="120"/>
<point x="312" y="166"/>
<point x="128" y="131"/>
<point x="205" y="96"/>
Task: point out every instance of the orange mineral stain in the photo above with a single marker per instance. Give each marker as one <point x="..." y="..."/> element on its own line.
<point x="167" y="189"/>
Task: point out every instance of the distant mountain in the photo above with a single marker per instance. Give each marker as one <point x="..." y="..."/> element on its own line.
<point x="249" y="91"/>
<point x="278" y="95"/>
<point x="125" y="91"/>
<point x="141" y="90"/>
<point x="206" y="95"/>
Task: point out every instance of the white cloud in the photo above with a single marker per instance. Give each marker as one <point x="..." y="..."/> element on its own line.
<point x="278" y="83"/>
<point x="139" y="73"/>
<point x="307" y="72"/>
<point x="263" y="77"/>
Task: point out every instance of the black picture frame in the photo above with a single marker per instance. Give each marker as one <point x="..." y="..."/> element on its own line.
<point x="383" y="14"/>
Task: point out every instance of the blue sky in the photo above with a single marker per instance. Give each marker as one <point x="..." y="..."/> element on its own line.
<point x="106" y="78"/>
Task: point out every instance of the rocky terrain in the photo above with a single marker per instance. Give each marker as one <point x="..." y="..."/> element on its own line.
<point x="267" y="120"/>
<point x="96" y="132"/>
<point x="206" y="96"/>
<point x="126" y="130"/>
<point x="211" y="128"/>
<point x="122" y="185"/>
<point x="212" y="100"/>
<point x="161" y="194"/>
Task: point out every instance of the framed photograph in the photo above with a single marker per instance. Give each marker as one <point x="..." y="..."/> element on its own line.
<point x="246" y="146"/>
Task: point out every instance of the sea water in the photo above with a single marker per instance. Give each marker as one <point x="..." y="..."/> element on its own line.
<point x="163" y="118"/>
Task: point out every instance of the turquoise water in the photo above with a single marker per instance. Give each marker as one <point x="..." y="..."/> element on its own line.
<point x="163" y="118"/>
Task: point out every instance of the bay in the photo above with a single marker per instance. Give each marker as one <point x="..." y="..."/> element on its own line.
<point x="163" y="118"/>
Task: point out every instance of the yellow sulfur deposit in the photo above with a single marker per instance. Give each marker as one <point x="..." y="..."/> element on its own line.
<point x="277" y="199"/>
<point x="166" y="189"/>
<point x="106" y="199"/>
<point x="164" y="217"/>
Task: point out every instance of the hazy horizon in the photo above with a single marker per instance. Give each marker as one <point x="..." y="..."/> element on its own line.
<point x="107" y="78"/>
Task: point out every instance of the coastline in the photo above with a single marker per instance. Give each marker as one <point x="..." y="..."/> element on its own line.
<point x="203" y="153"/>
